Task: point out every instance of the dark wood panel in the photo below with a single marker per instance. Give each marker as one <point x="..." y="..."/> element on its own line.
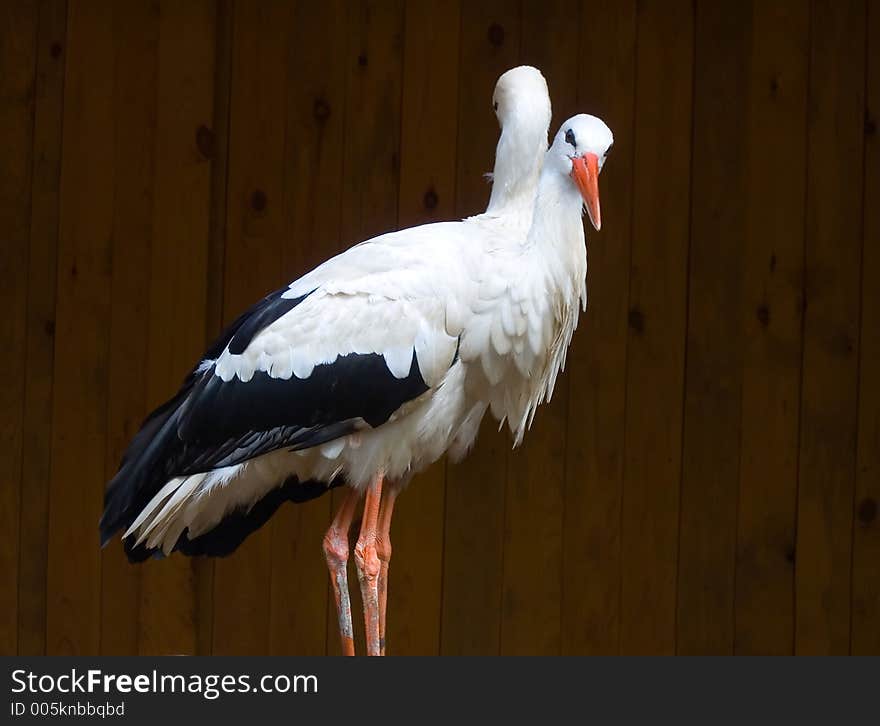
<point x="169" y="163"/>
<point x="42" y="260"/>
<point x="18" y="48"/>
<point x="596" y="367"/>
<point x="865" y="637"/>
<point x="831" y="328"/>
<point x="657" y="322"/>
<point x="713" y="384"/>
<point x="134" y="58"/>
<point x="771" y="314"/>
<point x="79" y="431"/>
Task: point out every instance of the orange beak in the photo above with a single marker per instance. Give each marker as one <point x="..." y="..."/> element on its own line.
<point x="585" y="172"/>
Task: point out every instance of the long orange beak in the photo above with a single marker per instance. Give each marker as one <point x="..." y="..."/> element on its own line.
<point x="585" y="172"/>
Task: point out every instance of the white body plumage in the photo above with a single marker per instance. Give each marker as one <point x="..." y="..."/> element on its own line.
<point x="489" y="325"/>
<point x="476" y="314"/>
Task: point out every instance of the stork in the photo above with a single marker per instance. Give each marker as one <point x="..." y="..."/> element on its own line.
<point x="365" y="371"/>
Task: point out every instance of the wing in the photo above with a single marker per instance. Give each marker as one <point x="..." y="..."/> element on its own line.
<point x="344" y="356"/>
<point x="342" y="348"/>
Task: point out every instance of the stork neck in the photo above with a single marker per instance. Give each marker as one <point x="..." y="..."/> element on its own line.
<point x="556" y="224"/>
<point x="518" y="159"/>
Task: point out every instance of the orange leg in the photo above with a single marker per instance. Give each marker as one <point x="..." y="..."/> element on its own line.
<point x="336" y="555"/>
<point x="367" y="560"/>
<point x="383" y="550"/>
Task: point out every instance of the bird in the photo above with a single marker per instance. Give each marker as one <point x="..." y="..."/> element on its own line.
<point x="347" y="376"/>
<point x="369" y="374"/>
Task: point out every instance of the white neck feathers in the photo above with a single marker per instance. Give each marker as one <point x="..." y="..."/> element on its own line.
<point x="518" y="158"/>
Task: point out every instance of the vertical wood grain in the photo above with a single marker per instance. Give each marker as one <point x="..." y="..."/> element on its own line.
<point x="42" y="259"/>
<point x="831" y="328"/>
<point x="710" y="459"/>
<point x="596" y="367"/>
<point x="427" y="193"/>
<point x="79" y="431"/>
<point x="865" y="637"/>
<point x="139" y="140"/>
<point x="475" y="492"/>
<point x="657" y="324"/>
<point x="253" y="267"/>
<point x="18" y="48"/>
<point x="184" y="147"/>
<point x="532" y="587"/>
<point x="775" y="167"/>
<point x="135" y="39"/>
<point x="313" y="161"/>
<point x="372" y="120"/>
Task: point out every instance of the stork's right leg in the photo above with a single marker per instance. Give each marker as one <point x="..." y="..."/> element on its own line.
<point x="383" y="550"/>
<point x="336" y="554"/>
<point x="366" y="558"/>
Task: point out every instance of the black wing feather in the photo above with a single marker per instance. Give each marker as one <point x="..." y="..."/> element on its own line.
<point x="211" y="423"/>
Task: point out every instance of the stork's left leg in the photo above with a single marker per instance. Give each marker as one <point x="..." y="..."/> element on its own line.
<point x="336" y="555"/>
<point x="367" y="560"/>
<point x="383" y="550"/>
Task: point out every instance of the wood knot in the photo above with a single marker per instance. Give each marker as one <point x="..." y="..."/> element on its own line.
<point x="841" y="344"/>
<point x="867" y="510"/>
<point x="774" y="86"/>
<point x="321" y="110"/>
<point x="763" y="315"/>
<point x="636" y="320"/>
<point x="790" y="554"/>
<point x="205" y="141"/>
<point x="363" y="60"/>
<point x="258" y="200"/>
<point x="773" y="262"/>
<point x="55" y="50"/>
<point x="49" y="328"/>
<point x="870" y="125"/>
<point x="431" y="199"/>
<point x="496" y="35"/>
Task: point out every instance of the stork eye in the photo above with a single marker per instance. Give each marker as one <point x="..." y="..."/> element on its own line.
<point x="569" y="138"/>
<point x="495" y="105"/>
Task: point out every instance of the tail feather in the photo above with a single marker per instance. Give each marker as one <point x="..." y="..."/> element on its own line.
<point x="155" y="530"/>
<point x="224" y="538"/>
<point x="143" y="470"/>
<point x="145" y="497"/>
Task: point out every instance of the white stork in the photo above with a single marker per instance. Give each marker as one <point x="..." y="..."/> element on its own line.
<point x="367" y="369"/>
<point x="163" y="456"/>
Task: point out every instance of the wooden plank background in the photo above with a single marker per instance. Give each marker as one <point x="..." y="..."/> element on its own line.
<point x="707" y="477"/>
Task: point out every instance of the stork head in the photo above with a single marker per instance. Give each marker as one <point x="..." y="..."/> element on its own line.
<point x="579" y="151"/>
<point x="522" y="105"/>
<point x="521" y="94"/>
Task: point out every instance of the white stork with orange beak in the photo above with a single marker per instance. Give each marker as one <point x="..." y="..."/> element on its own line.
<point x="365" y="371"/>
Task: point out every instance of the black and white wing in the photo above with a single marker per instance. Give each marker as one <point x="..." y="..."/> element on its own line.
<point x="341" y="349"/>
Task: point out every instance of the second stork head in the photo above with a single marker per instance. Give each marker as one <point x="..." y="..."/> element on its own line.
<point x="522" y="104"/>
<point x="579" y="150"/>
